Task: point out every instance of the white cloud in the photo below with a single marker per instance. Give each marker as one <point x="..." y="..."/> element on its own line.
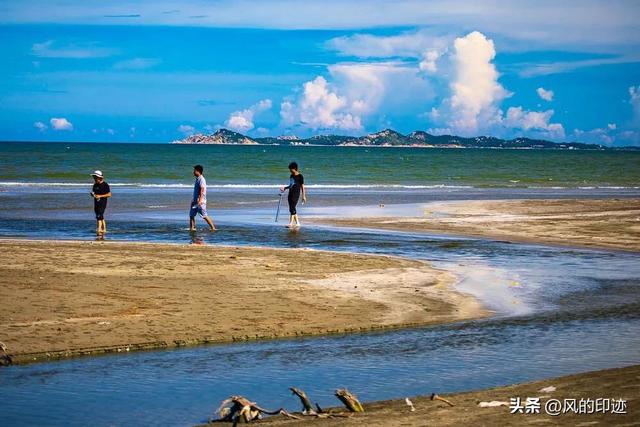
<point x="428" y="63"/>
<point x="408" y="44"/>
<point x="60" y="123"/>
<point x="242" y="120"/>
<point x="420" y="45"/>
<point x="185" y="129"/>
<point x="354" y="93"/>
<point x="51" y="49"/>
<point x="320" y="107"/>
<point x="595" y="136"/>
<point x="518" y="118"/>
<point x="136" y="64"/>
<point x="40" y="126"/>
<point x="595" y="24"/>
<point x="547" y="95"/>
<point x="476" y="92"/>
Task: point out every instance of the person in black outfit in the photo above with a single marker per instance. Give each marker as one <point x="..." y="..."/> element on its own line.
<point x="296" y="189"/>
<point x="100" y="193"/>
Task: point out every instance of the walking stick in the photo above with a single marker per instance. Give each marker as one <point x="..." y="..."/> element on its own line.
<point x="278" y="211"/>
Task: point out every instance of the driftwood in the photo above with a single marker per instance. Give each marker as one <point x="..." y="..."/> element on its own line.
<point x="5" y="359"/>
<point x="349" y="400"/>
<point x="441" y="399"/>
<point x="308" y="410"/>
<point x="238" y="409"/>
<point x="306" y="403"/>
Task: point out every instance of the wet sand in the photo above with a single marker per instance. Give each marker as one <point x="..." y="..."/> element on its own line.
<point x="608" y="223"/>
<point x="64" y="299"/>
<point x="619" y="383"/>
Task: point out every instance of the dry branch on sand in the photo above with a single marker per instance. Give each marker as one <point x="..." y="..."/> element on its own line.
<point x="349" y="400"/>
<point x="5" y="359"/>
<point x="441" y="399"/>
<point x="238" y="409"/>
<point x="307" y="408"/>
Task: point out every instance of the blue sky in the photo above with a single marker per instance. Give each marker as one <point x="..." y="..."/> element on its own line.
<point x="157" y="71"/>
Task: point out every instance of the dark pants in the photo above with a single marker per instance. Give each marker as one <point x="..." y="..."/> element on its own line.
<point x="99" y="206"/>
<point x="294" y="196"/>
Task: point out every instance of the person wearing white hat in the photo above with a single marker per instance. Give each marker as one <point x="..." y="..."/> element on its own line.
<point x="100" y="193"/>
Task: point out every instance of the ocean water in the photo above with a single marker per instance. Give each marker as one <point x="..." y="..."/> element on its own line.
<point x="331" y="167"/>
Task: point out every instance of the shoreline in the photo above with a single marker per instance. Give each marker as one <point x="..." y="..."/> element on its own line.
<point x="610" y="224"/>
<point x="66" y="304"/>
<point x="607" y="383"/>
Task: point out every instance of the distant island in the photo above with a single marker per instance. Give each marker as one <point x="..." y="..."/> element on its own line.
<point x="387" y="138"/>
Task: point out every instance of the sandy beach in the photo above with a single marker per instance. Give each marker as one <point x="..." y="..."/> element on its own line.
<point x="73" y="298"/>
<point x="620" y="383"/>
<point x="607" y="223"/>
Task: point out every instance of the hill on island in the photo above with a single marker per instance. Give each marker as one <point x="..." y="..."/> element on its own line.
<point x="386" y="138"/>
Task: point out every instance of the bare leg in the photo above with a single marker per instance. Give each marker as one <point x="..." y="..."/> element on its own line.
<point x="98" y="227"/>
<point x="192" y="224"/>
<point x="290" y="221"/>
<point x="296" y="220"/>
<point x="211" y="226"/>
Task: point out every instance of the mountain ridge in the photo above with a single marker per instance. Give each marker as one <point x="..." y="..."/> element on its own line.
<point x="387" y="138"/>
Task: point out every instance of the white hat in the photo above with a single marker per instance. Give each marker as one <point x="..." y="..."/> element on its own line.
<point x="97" y="173"/>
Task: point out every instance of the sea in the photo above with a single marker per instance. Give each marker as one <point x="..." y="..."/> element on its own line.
<point x="44" y="187"/>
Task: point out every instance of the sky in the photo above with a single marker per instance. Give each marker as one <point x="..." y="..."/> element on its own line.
<point x="157" y="71"/>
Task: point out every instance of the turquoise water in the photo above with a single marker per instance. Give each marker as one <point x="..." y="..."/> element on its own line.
<point x="165" y="164"/>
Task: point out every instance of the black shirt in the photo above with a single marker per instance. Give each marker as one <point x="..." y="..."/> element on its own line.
<point x="296" y="181"/>
<point x="101" y="189"/>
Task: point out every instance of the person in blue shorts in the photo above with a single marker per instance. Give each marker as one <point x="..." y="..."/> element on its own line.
<point x="199" y="200"/>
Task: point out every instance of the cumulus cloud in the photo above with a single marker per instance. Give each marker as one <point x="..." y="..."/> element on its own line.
<point x="518" y="118"/>
<point x="354" y="93"/>
<point x="242" y="120"/>
<point x="473" y="106"/>
<point x="185" y="129"/>
<point x="60" y="123"/>
<point x="319" y="107"/>
<point x="40" y="126"/>
<point x="547" y="95"/>
<point x="476" y="92"/>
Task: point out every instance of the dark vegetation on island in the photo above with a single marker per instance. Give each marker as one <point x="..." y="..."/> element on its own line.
<point x="389" y="138"/>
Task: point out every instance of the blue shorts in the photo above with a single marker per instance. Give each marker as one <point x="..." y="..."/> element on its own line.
<point x="198" y="209"/>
